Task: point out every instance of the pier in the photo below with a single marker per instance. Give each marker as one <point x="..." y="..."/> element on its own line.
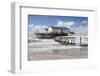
<point x="72" y="40"/>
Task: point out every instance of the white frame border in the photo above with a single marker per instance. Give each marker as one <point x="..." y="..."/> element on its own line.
<point x="16" y="30"/>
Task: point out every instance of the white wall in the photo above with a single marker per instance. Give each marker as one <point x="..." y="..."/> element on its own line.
<point x="5" y="28"/>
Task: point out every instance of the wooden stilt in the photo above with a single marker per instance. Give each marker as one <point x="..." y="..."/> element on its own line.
<point x="80" y="40"/>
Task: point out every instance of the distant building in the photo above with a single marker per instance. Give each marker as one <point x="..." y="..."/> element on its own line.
<point x="54" y="31"/>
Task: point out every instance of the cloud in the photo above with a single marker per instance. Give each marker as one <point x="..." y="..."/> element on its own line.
<point x="36" y="29"/>
<point x="80" y="31"/>
<point x="65" y="23"/>
<point x="60" y="23"/>
<point x="84" y="22"/>
<point x="69" y="24"/>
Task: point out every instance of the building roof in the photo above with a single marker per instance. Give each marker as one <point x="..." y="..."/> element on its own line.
<point x="59" y="28"/>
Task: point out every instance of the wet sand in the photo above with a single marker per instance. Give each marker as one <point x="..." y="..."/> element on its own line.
<point x="60" y="54"/>
<point x="51" y="50"/>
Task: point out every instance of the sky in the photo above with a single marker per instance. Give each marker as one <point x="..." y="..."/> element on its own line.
<point x="77" y="24"/>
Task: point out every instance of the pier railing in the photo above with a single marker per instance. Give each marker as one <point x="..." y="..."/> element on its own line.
<point x="72" y="40"/>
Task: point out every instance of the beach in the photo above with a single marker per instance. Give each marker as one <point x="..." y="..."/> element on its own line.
<point x="48" y="49"/>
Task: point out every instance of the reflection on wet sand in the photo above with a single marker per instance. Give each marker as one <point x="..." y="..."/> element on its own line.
<point x="60" y="54"/>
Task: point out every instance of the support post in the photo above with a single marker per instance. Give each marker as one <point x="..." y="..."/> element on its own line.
<point x="80" y="40"/>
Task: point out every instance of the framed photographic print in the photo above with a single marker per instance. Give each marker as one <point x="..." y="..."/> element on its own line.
<point x="51" y="38"/>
